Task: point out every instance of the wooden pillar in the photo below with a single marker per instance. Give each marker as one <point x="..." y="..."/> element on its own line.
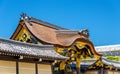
<point x="62" y="67"/>
<point x="17" y="67"/>
<point x="102" y="71"/>
<point x="36" y="68"/>
<point x="78" y="65"/>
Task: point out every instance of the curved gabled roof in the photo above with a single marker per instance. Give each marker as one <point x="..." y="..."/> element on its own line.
<point x="49" y="33"/>
<point x="62" y="37"/>
<point x="53" y="35"/>
<point x="27" y="49"/>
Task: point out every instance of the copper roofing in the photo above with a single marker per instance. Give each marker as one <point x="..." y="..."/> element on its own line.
<point x="53" y="35"/>
<point x="46" y="23"/>
<point x="32" y="19"/>
<point x="38" y="51"/>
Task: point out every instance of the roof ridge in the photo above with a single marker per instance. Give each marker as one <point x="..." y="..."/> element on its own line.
<point x="32" y="19"/>
<point x="84" y="31"/>
<point x="66" y="31"/>
<point x="46" y="24"/>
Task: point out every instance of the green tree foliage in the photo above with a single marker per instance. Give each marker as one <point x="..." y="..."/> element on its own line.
<point x="114" y="58"/>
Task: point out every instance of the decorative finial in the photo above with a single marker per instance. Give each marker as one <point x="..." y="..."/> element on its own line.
<point x="85" y="32"/>
<point x="24" y="16"/>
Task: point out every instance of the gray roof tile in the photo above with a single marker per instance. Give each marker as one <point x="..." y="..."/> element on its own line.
<point x="109" y="50"/>
<point x="110" y="62"/>
<point x="39" y="51"/>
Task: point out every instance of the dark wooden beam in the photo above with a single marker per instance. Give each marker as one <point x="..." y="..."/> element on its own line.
<point x="17" y="67"/>
<point x="36" y="68"/>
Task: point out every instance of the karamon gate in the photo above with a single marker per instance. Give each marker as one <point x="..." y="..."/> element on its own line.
<point x="74" y="45"/>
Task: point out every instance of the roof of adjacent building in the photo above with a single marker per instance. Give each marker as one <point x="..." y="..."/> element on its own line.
<point x="34" y="50"/>
<point x="87" y="63"/>
<point x="109" y="50"/>
<point x="110" y="62"/>
<point x="105" y="61"/>
<point x="50" y="33"/>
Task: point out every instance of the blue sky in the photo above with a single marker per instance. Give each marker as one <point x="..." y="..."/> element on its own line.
<point x="101" y="17"/>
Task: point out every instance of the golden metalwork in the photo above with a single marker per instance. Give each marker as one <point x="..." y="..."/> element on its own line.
<point x="62" y="65"/>
<point x="100" y="64"/>
<point x="24" y="36"/>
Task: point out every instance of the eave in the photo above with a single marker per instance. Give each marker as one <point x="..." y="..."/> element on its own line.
<point x="11" y="47"/>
